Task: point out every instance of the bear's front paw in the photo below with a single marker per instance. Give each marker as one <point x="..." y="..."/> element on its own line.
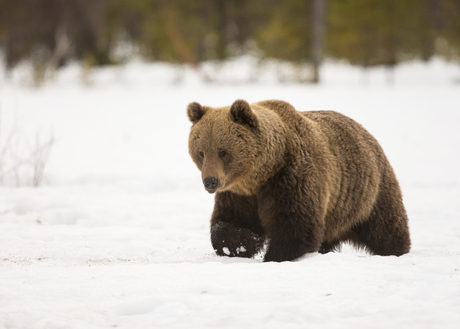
<point x="230" y="240"/>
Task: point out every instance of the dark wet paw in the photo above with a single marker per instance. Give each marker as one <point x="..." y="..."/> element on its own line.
<point x="233" y="241"/>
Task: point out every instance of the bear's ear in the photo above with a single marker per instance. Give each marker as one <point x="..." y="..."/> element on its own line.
<point x="242" y="113"/>
<point x="195" y="111"/>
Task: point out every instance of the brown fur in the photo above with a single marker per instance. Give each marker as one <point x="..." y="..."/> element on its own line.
<point x="303" y="181"/>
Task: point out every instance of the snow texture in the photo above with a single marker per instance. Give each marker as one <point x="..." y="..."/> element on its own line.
<point x="118" y="236"/>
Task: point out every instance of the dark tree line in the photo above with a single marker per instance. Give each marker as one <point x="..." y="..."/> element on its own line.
<point x="363" y="32"/>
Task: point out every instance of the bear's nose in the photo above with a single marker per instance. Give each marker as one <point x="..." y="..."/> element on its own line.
<point x="210" y="184"/>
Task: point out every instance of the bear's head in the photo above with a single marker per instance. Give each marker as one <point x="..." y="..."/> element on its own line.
<point x="232" y="146"/>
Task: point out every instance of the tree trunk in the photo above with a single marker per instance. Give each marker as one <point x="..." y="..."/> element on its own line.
<point x="318" y="27"/>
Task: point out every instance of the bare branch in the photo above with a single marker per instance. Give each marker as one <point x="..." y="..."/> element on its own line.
<point x="20" y="165"/>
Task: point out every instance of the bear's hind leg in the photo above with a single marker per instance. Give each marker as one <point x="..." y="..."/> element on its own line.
<point x="386" y="231"/>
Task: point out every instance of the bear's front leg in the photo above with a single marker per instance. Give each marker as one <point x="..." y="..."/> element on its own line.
<point x="235" y="227"/>
<point x="291" y="213"/>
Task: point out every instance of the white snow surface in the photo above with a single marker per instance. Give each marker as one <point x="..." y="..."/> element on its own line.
<point x="118" y="235"/>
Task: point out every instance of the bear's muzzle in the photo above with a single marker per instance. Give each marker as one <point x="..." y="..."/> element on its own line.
<point x="211" y="184"/>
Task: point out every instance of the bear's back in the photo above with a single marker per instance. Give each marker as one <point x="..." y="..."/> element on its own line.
<point x="344" y="132"/>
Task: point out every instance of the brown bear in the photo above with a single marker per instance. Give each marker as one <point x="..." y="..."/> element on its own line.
<point x="299" y="181"/>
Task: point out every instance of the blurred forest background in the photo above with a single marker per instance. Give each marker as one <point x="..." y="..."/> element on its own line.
<point x="51" y="33"/>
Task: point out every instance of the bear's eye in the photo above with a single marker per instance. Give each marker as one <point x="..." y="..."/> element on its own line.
<point x="222" y="154"/>
<point x="202" y="154"/>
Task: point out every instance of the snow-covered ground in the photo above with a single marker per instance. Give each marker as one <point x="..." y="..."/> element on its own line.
<point x="117" y="236"/>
